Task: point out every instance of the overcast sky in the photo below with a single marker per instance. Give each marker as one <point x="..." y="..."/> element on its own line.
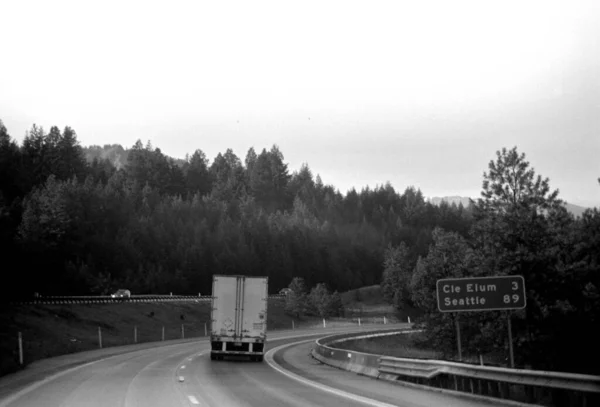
<point x="416" y="93"/>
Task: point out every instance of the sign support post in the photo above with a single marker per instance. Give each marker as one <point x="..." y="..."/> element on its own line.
<point x="457" y="324"/>
<point x="510" y="341"/>
<point x="20" y="349"/>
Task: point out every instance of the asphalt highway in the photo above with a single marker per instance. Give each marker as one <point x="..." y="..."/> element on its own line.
<point x="184" y="375"/>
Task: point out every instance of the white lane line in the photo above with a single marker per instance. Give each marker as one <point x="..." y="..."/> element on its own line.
<point x="354" y="397"/>
<point x="183" y="367"/>
<point x="193" y="400"/>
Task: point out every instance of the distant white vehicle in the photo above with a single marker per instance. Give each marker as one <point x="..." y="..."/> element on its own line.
<point x="121" y="294"/>
<point x="285" y="291"/>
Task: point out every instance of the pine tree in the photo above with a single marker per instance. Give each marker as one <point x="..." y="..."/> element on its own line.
<point x="261" y="177"/>
<point x="10" y="171"/>
<point x="397" y="274"/>
<point x="296" y="300"/>
<point x="320" y="300"/>
<point x="197" y="175"/>
<point x="72" y="159"/>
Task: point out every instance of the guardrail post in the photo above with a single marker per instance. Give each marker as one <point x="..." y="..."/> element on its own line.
<point x="506" y="390"/>
<point x="205" y="329"/>
<point x="135" y="334"/>
<point x="293" y="327"/>
<point x="493" y="390"/>
<point x="20" y="349"/>
<point x="324" y="324"/>
<point x="409" y="320"/>
<point x="100" y="337"/>
<point x="358" y="321"/>
<point x="182" y="333"/>
<point x="384" y="320"/>
<point x="163" y="333"/>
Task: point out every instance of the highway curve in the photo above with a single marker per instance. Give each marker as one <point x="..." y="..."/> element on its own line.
<point x="183" y="375"/>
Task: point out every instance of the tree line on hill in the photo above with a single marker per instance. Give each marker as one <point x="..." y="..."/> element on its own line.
<point x="81" y="221"/>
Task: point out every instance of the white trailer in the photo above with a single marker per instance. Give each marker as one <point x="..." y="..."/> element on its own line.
<point x="239" y="316"/>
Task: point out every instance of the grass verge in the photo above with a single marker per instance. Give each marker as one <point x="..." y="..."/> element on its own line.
<point x="53" y="330"/>
<point x="368" y="301"/>
<point x="400" y="346"/>
<point x="406" y="346"/>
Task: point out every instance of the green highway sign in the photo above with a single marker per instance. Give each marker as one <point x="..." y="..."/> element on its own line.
<point x="481" y="293"/>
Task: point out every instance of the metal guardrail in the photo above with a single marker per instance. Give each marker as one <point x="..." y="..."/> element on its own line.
<point x="432" y="368"/>
<point x="546" y="388"/>
<point x="106" y="299"/>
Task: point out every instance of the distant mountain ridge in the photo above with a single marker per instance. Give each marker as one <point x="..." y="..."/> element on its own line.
<point x="576" y="210"/>
<point x="450" y="199"/>
<point x="115" y="153"/>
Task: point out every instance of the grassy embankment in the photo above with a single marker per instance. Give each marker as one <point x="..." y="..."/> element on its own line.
<point x="406" y="346"/>
<point x="52" y="330"/>
<point x="402" y="346"/>
<point x="369" y="301"/>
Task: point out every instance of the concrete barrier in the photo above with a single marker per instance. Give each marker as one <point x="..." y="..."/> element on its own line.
<point x="365" y="364"/>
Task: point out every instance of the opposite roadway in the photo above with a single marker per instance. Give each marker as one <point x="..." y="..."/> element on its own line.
<point x="184" y="375"/>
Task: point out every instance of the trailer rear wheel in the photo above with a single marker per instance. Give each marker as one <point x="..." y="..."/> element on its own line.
<point x="259" y="358"/>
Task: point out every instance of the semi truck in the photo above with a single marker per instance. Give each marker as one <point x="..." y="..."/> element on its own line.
<point x="239" y="316"/>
